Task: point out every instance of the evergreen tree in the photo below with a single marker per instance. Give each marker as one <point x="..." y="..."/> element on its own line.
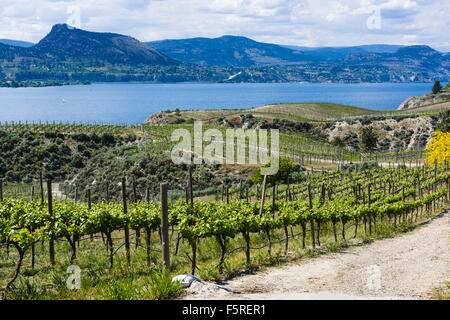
<point x="437" y="87"/>
<point x="369" y="139"/>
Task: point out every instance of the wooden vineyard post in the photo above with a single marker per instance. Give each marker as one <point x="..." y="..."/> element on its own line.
<point x="50" y="212"/>
<point x="41" y="184"/>
<point x="240" y="189"/>
<point x="165" y="226"/>
<point x="323" y="192"/>
<point x="125" y="211"/>
<point x="419" y="189"/>
<point x="433" y="189"/>
<point x="1" y="191"/>
<point x="33" y="246"/>
<point x="415" y="190"/>
<point x="313" y="239"/>
<point x="177" y="244"/>
<point x="369" y="195"/>
<point x="137" y="230"/>
<point x="323" y="195"/>
<point x="191" y="192"/>
<point x="134" y="192"/>
<point x="89" y="207"/>
<point x="403" y="200"/>
<point x="274" y="195"/>
<point x="107" y="191"/>
<point x="263" y="195"/>
<point x="32" y="194"/>
<point x="187" y="193"/>
<point x="448" y="189"/>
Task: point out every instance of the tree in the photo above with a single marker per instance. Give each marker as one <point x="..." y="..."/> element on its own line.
<point x="351" y="140"/>
<point x="369" y="139"/>
<point x="284" y="175"/>
<point x="337" y="141"/>
<point x="286" y="169"/>
<point x="437" y="87"/>
<point x="439" y="148"/>
<point x="444" y="121"/>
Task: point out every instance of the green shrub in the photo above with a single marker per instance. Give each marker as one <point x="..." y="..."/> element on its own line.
<point x="162" y="287"/>
<point x="26" y="289"/>
<point x="122" y="289"/>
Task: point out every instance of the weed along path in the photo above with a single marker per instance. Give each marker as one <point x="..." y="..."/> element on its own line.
<point x="409" y="266"/>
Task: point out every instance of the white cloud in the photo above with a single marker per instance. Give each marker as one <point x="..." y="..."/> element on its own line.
<point x="399" y="5"/>
<point x="300" y="22"/>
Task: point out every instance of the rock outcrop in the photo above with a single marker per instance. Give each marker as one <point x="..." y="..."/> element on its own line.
<point x="424" y="100"/>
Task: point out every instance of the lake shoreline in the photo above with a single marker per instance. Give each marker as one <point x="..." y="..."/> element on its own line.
<point x="41" y="84"/>
<point x="46" y="84"/>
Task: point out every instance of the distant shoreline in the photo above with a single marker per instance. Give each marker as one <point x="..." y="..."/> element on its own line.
<point x="40" y="84"/>
<point x="45" y="84"/>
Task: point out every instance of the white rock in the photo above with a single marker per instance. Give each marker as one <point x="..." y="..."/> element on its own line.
<point x="186" y="280"/>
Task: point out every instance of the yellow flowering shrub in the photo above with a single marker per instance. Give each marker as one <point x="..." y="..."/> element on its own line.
<point x="439" y="148"/>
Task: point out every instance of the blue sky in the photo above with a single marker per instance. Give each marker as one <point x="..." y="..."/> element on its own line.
<point x="294" y="22"/>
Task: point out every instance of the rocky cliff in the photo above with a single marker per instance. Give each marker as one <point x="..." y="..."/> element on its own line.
<point x="427" y="99"/>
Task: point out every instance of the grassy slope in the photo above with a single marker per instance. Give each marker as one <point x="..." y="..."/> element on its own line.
<point x="429" y="107"/>
<point x="289" y="111"/>
<point x="310" y="111"/>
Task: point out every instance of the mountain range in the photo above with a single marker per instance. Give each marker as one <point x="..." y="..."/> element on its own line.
<point x="228" y="51"/>
<point x="244" y="52"/>
<point x="68" y="53"/>
<point x="17" y="43"/>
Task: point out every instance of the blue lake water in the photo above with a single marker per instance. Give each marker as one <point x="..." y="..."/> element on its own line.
<point x="132" y="103"/>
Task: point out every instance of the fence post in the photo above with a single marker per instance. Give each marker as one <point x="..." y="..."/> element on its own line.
<point x="448" y="189"/>
<point x="191" y="192"/>
<point x="165" y="226"/>
<point x="263" y="195"/>
<point x="274" y="194"/>
<point x="323" y="192"/>
<point x="135" y="199"/>
<point x="125" y="211"/>
<point x="107" y="191"/>
<point x="89" y="199"/>
<point x="89" y="207"/>
<point x="1" y="191"/>
<point x="313" y="239"/>
<point x="50" y="211"/>
<point x="41" y="184"/>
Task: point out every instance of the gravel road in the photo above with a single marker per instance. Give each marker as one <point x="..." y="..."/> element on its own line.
<point x="409" y="266"/>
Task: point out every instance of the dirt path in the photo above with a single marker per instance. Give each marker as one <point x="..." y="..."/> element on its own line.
<point x="404" y="267"/>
